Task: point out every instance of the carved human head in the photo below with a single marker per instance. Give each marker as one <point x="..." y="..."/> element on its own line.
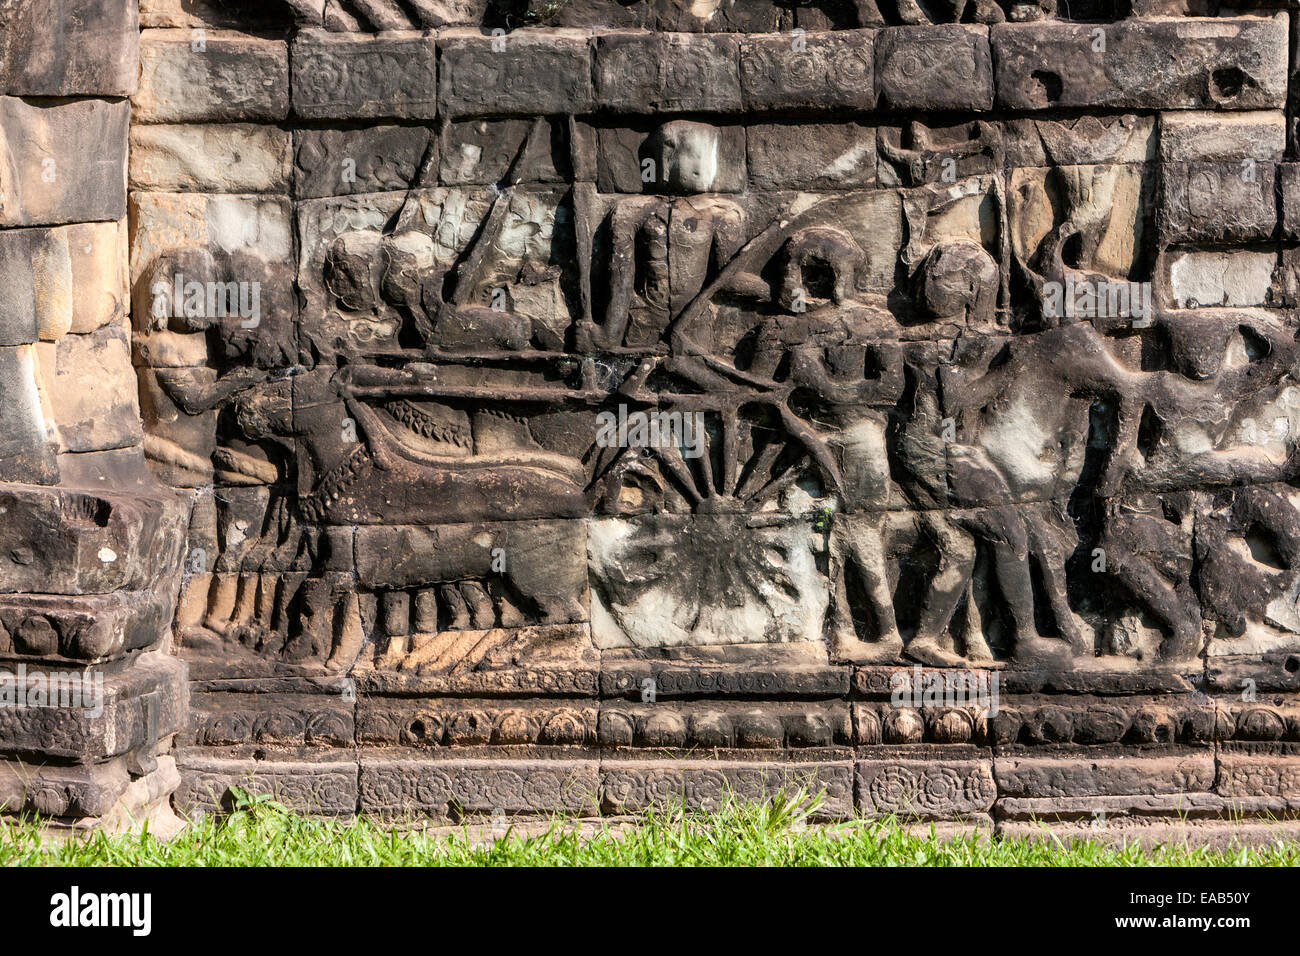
<point x="687" y="156"/>
<point x="958" y="279"/>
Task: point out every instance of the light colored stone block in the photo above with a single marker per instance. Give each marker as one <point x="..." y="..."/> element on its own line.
<point x="1191" y="137"/>
<point x="62" y="162"/>
<point x="91" y="387"/>
<point x="214" y="77"/>
<point x="236" y="158"/>
<point x="1240" y="277"/>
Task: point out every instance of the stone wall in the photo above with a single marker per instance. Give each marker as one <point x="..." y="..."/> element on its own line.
<point x="90" y="543"/>
<point x="582" y="404"/>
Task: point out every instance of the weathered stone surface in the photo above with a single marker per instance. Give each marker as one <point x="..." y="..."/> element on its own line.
<point x="1266" y="775"/>
<point x="819" y="71"/>
<point x="1219" y="201"/>
<point x="1289" y="174"/>
<point x="934" y="67"/>
<point x="554" y="406"/>
<point x="525" y="73"/>
<point x="68" y="47"/>
<point x="321" y="784"/>
<point x="1138" y="64"/>
<point x="212" y="77"/>
<point x="320" y="719"/>
<point x="258" y="226"/>
<point x="918" y="155"/>
<point x="629" y="786"/>
<point x="433" y="725"/>
<point x="1254" y="136"/>
<point x="340" y="76"/>
<point x="90" y="716"/>
<point x="88" y="379"/>
<point x="27" y="441"/>
<point x="638" y="160"/>
<point x="739" y="725"/>
<point x="63" y="161"/>
<point x="98" y="256"/>
<point x="663" y="608"/>
<point x="1108" y="138"/>
<point x="37" y="269"/>
<point x="625" y="676"/>
<point x="87" y="791"/>
<point x="925" y="788"/>
<point x="811" y="156"/>
<point x="236" y="158"/>
<point x="89" y="543"/>
<point x="88" y="628"/>
<point x="647" y="73"/>
<point x="434" y="787"/>
<point x="340" y="162"/>
<point x="1241" y="277"/>
<point x="1091" y="775"/>
<point x="482" y="152"/>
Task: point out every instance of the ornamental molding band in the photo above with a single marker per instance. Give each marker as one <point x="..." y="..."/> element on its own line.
<point x="453" y="407"/>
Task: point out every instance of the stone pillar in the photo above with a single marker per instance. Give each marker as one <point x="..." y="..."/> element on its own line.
<point x="90" y="544"/>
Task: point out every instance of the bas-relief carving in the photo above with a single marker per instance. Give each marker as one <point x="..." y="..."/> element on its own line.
<point x="889" y="449"/>
<point x="883" y="357"/>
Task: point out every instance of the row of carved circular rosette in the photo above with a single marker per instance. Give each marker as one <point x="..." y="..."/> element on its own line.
<point x="862" y="724"/>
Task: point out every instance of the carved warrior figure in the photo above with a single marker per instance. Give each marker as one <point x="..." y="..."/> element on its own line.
<point x="192" y="442"/>
<point x="666" y="250"/>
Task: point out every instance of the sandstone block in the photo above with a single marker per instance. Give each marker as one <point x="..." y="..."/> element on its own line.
<point x="480" y="152"/>
<point x="1194" y="136"/>
<point x="90" y="384"/>
<point x="434" y="787"/>
<point x="523" y="73"/>
<point x="340" y="162"/>
<point x="627" y="161"/>
<point x="1237" y="277"/>
<point x="811" y="156"/>
<point x="1289" y="174"/>
<point x="27" y="444"/>
<point x="221" y="158"/>
<point x="923" y="788"/>
<point x="647" y="73"/>
<point x="89" y="543"/>
<point x="1126" y="138"/>
<point x="68" y="47"/>
<point x="934" y="67"/>
<point x="68" y="278"/>
<point x="324" y="786"/>
<point x="1184" y="63"/>
<point x="217" y="77"/>
<point x="816" y="71"/>
<point x="65" y="161"/>
<point x="82" y="628"/>
<point x="89" y="715"/>
<point x="346" y="76"/>
<point x="1100" y="776"/>
<point x="629" y="785"/>
<point x="257" y="226"/>
<point x="1219" y="201"/>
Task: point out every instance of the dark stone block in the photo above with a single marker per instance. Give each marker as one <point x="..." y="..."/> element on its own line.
<point x="934" y="68"/>
<point x="69" y="47"/>
<point x="522" y="73"/>
<point x="376" y="159"/>
<point x="676" y="72"/>
<point x="815" y="71"/>
<point x="1135" y="64"/>
<point x="340" y="76"/>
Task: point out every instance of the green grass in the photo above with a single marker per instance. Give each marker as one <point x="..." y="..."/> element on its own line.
<point x="262" y="833"/>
